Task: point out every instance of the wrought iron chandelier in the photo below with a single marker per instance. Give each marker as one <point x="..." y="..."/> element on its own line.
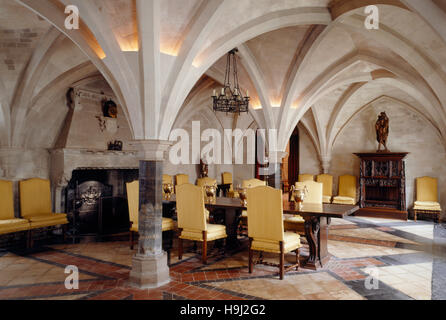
<point x="231" y="100"/>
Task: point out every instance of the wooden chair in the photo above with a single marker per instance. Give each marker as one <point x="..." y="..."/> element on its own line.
<point x="8" y="222"/>
<point x="133" y="202"/>
<point x="192" y="223"/>
<point x="305" y="177"/>
<point x="252" y="183"/>
<point x="201" y="182"/>
<point x="327" y="182"/>
<point x="297" y="223"/>
<point x="35" y="205"/>
<point x="226" y="178"/>
<point x="246" y="184"/>
<point x="181" y="179"/>
<point x="347" y="190"/>
<point x="427" y="198"/>
<point x="265" y="228"/>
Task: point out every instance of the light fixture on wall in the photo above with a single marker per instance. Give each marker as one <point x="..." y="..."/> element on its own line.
<point x="231" y="100"/>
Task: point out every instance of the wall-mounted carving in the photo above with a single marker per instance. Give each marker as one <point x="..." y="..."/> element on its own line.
<point x="110" y="109"/>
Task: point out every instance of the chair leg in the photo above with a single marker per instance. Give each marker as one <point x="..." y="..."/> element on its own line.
<point x="205" y="249"/>
<point x="168" y="258"/>
<point x="415" y="215"/>
<point x="282" y="261"/>
<point x="30" y="239"/>
<point x="28" y="236"/>
<point x="64" y="232"/>
<point x="131" y="239"/>
<point x="180" y="248"/>
<point x="297" y="259"/>
<point x="250" y="256"/>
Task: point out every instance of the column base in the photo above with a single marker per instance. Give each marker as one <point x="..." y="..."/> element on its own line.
<point x="149" y="272"/>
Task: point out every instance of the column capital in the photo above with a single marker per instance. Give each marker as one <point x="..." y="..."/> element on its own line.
<point x="151" y="150"/>
<point x="325" y="162"/>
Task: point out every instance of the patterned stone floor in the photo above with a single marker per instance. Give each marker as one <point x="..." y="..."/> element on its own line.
<point x="407" y="260"/>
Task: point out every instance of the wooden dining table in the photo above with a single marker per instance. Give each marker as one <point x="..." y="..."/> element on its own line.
<point x="317" y="218"/>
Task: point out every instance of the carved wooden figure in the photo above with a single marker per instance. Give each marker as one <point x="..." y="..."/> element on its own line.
<point x="382" y="131"/>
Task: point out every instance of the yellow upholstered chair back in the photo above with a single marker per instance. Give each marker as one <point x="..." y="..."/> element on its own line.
<point x="314" y="191"/>
<point x="305" y="177"/>
<point x="227" y="179"/>
<point x="427" y="189"/>
<point x="201" y="182"/>
<point x="252" y="183"/>
<point x="167" y="179"/>
<point x="35" y="197"/>
<point x="133" y="201"/>
<point x="265" y="213"/>
<point x="190" y="207"/>
<point x="181" y="179"/>
<point x="327" y="182"/>
<point x="347" y="186"/>
<point x="6" y="200"/>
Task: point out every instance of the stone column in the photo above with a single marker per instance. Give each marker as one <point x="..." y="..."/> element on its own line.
<point x="149" y="265"/>
<point x="325" y="163"/>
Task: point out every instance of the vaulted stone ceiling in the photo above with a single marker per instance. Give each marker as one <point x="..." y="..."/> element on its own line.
<point x="309" y="61"/>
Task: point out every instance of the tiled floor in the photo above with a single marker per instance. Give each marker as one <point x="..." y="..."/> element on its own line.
<point x="407" y="260"/>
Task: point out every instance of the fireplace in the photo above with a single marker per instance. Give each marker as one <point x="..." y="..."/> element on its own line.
<point x="96" y="200"/>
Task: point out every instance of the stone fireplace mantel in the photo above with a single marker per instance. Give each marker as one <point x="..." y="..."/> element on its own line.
<point x="65" y="161"/>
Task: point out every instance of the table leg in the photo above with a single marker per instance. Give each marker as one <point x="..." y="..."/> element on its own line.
<point x="316" y="232"/>
<point x="232" y="220"/>
<point x="324" y="255"/>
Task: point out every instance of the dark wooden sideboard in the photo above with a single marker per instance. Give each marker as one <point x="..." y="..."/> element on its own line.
<point x="382" y="185"/>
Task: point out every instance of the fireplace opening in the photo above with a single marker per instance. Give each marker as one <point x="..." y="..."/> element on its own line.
<point x="96" y="201"/>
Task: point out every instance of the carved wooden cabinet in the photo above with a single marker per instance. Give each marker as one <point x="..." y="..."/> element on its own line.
<point x="382" y="181"/>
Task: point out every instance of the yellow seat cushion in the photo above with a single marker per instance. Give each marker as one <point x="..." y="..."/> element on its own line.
<point x="344" y="200"/>
<point x="168" y="224"/>
<point x="295" y="219"/>
<point x="427" y="205"/>
<point x="48" y="220"/>
<point x="291" y="242"/>
<point x="326" y="199"/>
<point x="13" y="225"/>
<point x="214" y="232"/>
<point x="294" y="223"/>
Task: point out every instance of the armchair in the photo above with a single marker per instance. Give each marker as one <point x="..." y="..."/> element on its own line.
<point x="192" y="220"/>
<point x="8" y="222"/>
<point x="327" y="182"/>
<point x="35" y="204"/>
<point x="265" y="228"/>
<point x="347" y="190"/>
<point x="427" y="198"/>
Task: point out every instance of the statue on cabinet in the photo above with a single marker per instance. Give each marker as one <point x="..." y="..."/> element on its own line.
<point x="204" y="170"/>
<point x="382" y="131"/>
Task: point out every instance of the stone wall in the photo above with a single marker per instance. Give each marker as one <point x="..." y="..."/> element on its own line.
<point x="308" y="157"/>
<point x="409" y="132"/>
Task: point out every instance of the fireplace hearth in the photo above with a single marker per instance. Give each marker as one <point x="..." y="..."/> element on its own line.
<point x="96" y="201"/>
